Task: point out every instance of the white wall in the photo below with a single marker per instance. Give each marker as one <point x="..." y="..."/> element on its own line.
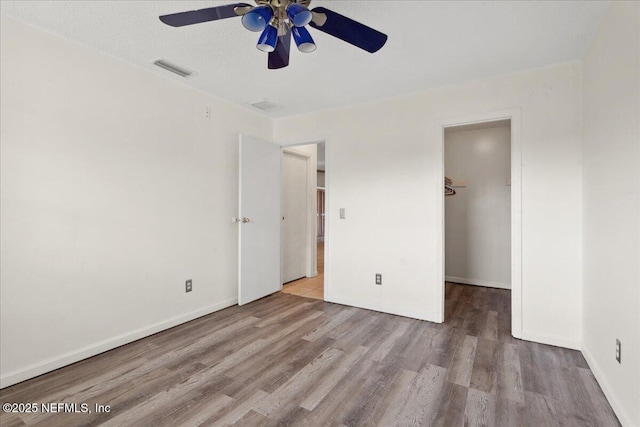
<point x="386" y="168"/>
<point x="478" y="216"/>
<point x="114" y="190"/>
<point x="611" y="208"/>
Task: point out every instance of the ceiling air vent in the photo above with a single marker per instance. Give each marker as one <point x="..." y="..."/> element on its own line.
<point x="181" y="71"/>
<point x="265" y="105"/>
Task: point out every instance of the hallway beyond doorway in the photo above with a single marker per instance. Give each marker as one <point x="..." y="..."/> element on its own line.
<point x="310" y="287"/>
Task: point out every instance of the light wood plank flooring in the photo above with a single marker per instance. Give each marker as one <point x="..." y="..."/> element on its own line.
<point x="310" y="287"/>
<point x="287" y="360"/>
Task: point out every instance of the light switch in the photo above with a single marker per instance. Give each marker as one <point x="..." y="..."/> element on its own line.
<point x="342" y="215"/>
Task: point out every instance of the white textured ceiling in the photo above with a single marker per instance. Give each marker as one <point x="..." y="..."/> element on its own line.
<point x="431" y="44"/>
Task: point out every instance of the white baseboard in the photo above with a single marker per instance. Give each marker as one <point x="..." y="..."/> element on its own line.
<point x="399" y="311"/>
<point x="551" y="340"/>
<point x="477" y="282"/>
<point x="74" y="356"/>
<point x="623" y="416"/>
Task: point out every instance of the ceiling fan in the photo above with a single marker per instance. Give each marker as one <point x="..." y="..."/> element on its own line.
<point x="278" y="20"/>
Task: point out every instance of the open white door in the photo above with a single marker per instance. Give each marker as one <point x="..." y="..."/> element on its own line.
<point x="259" y="219"/>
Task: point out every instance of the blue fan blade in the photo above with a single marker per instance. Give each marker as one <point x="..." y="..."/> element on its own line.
<point x="203" y="15"/>
<point x="350" y="31"/>
<point x="279" y="58"/>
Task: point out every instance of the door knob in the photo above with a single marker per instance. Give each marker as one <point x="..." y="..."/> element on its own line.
<point x="245" y="220"/>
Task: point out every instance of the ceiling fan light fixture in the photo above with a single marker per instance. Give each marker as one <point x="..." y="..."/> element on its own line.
<point x="303" y="39"/>
<point x="298" y="15"/>
<point x="278" y="19"/>
<point x="257" y="18"/>
<point x="268" y="39"/>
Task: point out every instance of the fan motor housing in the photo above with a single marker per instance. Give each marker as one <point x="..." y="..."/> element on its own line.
<point x="282" y="3"/>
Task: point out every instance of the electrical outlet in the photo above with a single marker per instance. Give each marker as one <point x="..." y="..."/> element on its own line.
<point x="342" y="213"/>
<point x="618" y="351"/>
<point x="378" y="279"/>
<point x="188" y="285"/>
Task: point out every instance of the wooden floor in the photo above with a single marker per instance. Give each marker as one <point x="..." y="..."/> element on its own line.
<point x="289" y="360"/>
<point x="310" y="287"/>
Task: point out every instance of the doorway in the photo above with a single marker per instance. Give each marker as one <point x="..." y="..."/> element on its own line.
<point x="477" y="221"/>
<point x="509" y="272"/>
<point x="295" y="212"/>
<point x="312" y="283"/>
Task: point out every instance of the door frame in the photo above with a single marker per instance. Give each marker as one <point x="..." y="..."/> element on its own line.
<point x="515" y="115"/>
<point x="288" y="145"/>
<point x="310" y="263"/>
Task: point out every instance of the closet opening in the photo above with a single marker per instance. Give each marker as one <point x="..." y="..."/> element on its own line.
<point x="477" y="227"/>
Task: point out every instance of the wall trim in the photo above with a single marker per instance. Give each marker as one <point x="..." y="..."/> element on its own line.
<point x="82" y="353"/>
<point x="398" y="311"/>
<point x="478" y="282"/>
<point x="623" y="416"/>
<point x="551" y="340"/>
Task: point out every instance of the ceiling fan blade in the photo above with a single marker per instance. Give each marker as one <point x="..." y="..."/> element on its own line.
<point x="202" y="15"/>
<point x="279" y="58"/>
<point x="349" y="30"/>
